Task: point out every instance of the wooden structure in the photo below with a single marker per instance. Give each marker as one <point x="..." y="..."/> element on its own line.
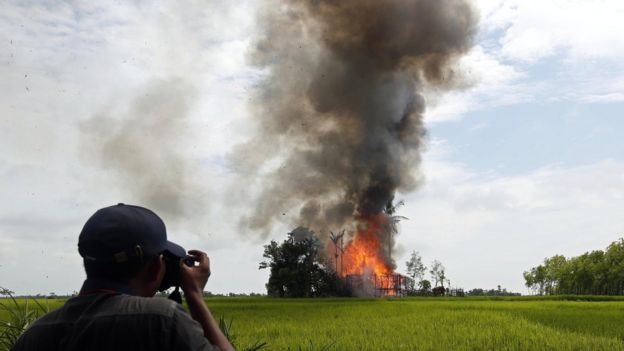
<point x="338" y="240"/>
<point x="392" y="284"/>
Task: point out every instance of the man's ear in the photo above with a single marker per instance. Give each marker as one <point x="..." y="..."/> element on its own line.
<point x="150" y="277"/>
<point x="159" y="268"/>
<point x="154" y="269"/>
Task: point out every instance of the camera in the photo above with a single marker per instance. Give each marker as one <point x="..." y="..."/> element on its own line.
<point x="172" y="269"/>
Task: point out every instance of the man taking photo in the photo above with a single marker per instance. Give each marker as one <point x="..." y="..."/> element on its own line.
<point x="126" y="256"/>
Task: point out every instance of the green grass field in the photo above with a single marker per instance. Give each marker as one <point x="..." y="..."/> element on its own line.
<point x="424" y="323"/>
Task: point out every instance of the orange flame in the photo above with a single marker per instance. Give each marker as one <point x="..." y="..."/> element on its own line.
<point x="364" y="254"/>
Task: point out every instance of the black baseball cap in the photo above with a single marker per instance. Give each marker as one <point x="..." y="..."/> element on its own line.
<point x="124" y="233"/>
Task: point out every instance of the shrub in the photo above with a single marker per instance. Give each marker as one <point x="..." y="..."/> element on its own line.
<point x="16" y="317"/>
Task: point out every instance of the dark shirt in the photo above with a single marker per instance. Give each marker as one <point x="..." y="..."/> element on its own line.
<point x="109" y="320"/>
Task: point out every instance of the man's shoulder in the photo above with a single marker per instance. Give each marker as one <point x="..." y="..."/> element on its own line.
<point x="127" y="304"/>
<point x="98" y="306"/>
<point x="103" y="321"/>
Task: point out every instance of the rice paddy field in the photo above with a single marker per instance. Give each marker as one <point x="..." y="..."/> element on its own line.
<point x="564" y="323"/>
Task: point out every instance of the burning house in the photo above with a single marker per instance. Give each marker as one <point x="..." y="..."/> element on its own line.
<point x="340" y="109"/>
<point x="392" y="284"/>
<point x="365" y="262"/>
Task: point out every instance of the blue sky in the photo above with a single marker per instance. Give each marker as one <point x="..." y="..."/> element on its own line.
<point x="523" y="137"/>
<point x="525" y="162"/>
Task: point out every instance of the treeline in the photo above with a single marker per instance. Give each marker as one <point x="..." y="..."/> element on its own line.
<point x="491" y="292"/>
<point x="592" y="273"/>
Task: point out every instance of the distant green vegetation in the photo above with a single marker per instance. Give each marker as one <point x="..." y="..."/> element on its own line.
<point x="482" y="323"/>
<point x="593" y="273"/>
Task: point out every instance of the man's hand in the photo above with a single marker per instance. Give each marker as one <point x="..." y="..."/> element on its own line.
<point x="194" y="279"/>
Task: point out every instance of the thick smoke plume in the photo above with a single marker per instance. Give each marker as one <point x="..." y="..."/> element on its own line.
<point x="342" y="104"/>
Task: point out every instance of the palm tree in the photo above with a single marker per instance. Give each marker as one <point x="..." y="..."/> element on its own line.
<point x="335" y="238"/>
<point x="393" y="223"/>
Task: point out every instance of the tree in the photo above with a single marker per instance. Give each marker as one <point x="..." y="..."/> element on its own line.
<point x="556" y="274"/>
<point x="438" y="291"/>
<point x="529" y="279"/>
<point x="425" y="286"/>
<point x="592" y="273"/>
<point x="392" y="226"/>
<point x="415" y="268"/>
<point x="438" y="273"/>
<point x="614" y="258"/>
<point x="297" y="268"/>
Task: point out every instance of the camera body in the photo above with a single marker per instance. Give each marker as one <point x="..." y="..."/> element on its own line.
<point x="172" y="269"/>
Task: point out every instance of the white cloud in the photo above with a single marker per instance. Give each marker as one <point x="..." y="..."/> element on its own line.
<point x="608" y="97"/>
<point x="488" y="228"/>
<point x="579" y="41"/>
<point x="493" y="84"/>
<point x="607" y="90"/>
<point x="582" y="29"/>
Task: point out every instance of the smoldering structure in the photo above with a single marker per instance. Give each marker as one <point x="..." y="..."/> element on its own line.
<point x="341" y="109"/>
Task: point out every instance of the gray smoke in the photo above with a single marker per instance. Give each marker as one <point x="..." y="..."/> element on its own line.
<point x="342" y="106"/>
<point x="147" y="142"/>
<point x="143" y="147"/>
